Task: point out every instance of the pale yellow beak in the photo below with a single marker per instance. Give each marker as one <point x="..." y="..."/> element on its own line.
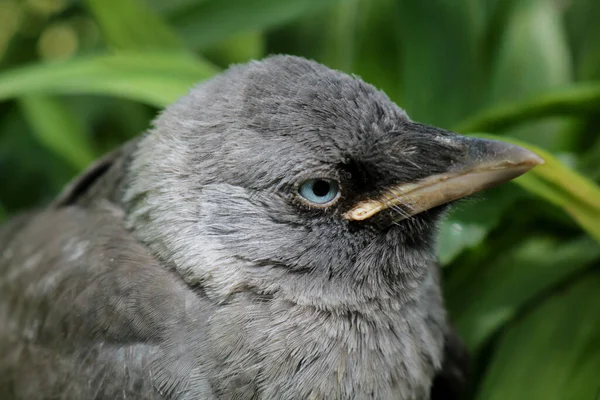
<point x="496" y="162"/>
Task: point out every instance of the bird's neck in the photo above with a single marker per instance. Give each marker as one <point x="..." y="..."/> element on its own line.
<point x="345" y="292"/>
<point x="382" y="348"/>
<point x="393" y="281"/>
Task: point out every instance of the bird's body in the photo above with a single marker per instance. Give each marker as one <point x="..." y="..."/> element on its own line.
<point x="186" y="266"/>
<point x="92" y="314"/>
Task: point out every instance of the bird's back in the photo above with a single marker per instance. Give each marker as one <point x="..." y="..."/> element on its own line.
<point x="86" y="312"/>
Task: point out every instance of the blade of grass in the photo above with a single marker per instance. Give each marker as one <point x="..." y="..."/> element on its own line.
<point x="155" y="78"/>
<point x="173" y="6"/>
<point x="31" y="175"/>
<point x="440" y="68"/>
<point x="211" y="21"/>
<point x="581" y="18"/>
<point x="469" y="222"/>
<point x="237" y="49"/>
<point x="560" y="185"/>
<point x="532" y="55"/>
<point x="58" y="129"/>
<point x="132" y="25"/>
<point x="495" y="293"/>
<point x="364" y="38"/>
<point x="577" y="100"/>
<point x="553" y="352"/>
<point x="355" y="36"/>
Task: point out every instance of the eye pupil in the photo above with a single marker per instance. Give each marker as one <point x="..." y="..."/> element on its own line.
<point x="319" y="192"/>
<point x="321" y="188"/>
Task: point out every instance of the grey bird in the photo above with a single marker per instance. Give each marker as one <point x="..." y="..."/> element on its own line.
<point x="270" y="237"/>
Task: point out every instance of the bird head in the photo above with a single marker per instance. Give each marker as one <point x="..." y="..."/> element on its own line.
<point x="286" y="177"/>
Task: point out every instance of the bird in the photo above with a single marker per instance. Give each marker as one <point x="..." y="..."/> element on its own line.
<point x="271" y="236"/>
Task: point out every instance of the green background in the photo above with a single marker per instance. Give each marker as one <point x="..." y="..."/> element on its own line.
<point x="521" y="261"/>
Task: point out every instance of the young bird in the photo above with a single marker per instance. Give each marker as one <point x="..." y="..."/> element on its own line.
<point x="271" y="237"/>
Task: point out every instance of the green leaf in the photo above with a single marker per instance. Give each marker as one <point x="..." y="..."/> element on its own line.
<point x="582" y="18"/>
<point x="30" y="173"/>
<point x="532" y="57"/>
<point x="2" y="213"/>
<point x="344" y="26"/>
<point x="589" y="161"/>
<point x="494" y="293"/>
<point x="553" y="353"/>
<point x="132" y="25"/>
<point x="155" y="78"/>
<point x="330" y="37"/>
<point x="237" y="49"/>
<point x="562" y="186"/>
<point x="173" y="6"/>
<point x="365" y="39"/>
<point x="58" y="129"/>
<point x="457" y="235"/>
<point x="469" y="222"/>
<point x="533" y="54"/>
<point x="211" y="21"/>
<point x="440" y="70"/>
<point x="577" y="100"/>
<point x="355" y="36"/>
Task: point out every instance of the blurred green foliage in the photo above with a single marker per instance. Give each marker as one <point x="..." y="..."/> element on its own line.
<point x="522" y="275"/>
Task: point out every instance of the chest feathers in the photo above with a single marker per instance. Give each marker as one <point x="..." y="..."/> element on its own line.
<point x="288" y="351"/>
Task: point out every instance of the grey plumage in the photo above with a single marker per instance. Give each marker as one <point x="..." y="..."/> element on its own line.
<point x="185" y="266"/>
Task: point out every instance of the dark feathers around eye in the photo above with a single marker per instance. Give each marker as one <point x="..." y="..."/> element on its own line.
<point x="411" y="152"/>
<point x="346" y="123"/>
<point x="311" y="119"/>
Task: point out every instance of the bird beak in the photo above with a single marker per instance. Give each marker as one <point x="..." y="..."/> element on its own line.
<point x="487" y="163"/>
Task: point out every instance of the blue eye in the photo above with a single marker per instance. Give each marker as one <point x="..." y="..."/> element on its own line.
<point x="320" y="191"/>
